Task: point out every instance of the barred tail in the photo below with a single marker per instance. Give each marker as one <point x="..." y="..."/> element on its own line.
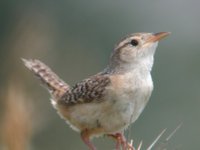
<point x="54" y="84"/>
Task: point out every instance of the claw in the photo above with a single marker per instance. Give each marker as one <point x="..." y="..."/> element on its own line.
<point x="121" y="142"/>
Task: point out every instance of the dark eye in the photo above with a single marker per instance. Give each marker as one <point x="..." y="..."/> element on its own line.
<point x="134" y="42"/>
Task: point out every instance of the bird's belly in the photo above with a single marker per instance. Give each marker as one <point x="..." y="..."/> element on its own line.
<point x="121" y="107"/>
<point x="125" y="109"/>
<point x="106" y="115"/>
<point x="112" y="115"/>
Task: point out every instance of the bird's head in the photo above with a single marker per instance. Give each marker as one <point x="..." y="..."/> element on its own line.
<point x="136" y="49"/>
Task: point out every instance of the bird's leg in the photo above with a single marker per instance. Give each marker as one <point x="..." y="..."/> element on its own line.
<point x="121" y="141"/>
<point x="118" y="141"/>
<point x="85" y="135"/>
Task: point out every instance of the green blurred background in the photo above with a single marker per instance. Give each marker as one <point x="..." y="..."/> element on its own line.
<point x="76" y="38"/>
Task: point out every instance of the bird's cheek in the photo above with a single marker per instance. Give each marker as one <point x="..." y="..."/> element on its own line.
<point x="128" y="56"/>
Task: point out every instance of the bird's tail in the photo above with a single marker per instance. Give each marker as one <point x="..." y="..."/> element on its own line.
<point x="54" y="84"/>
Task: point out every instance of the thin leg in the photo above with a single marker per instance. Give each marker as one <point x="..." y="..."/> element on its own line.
<point x="86" y="139"/>
<point x="121" y="141"/>
<point x="118" y="141"/>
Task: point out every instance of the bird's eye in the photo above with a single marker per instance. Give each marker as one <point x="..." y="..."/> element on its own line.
<point x="134" y="42"/>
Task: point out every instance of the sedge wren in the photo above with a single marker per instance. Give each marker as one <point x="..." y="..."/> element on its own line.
<point x="108" y="102"/>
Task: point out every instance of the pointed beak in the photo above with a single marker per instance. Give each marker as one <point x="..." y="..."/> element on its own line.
<point x="157" y="37"/>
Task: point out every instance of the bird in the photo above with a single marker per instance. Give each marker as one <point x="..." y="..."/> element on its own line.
<point x="108" y="102"/>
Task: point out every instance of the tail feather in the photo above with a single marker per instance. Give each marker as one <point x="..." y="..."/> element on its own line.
<point x="54" y="84"/>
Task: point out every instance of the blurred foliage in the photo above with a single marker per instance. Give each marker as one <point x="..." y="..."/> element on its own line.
<point x="75" y="38"/>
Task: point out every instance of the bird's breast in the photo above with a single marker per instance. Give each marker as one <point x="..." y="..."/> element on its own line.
<point x="131" y="92"/>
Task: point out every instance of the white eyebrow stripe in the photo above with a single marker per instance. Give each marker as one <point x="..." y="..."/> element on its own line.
<point x="127" y="41"/>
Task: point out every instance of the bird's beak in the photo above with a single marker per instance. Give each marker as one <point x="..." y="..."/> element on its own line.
<point x="157" y="37"/>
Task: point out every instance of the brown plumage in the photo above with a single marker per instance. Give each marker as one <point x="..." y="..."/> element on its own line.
<point x="54" y="84"/>
<point x="88" y="90"/>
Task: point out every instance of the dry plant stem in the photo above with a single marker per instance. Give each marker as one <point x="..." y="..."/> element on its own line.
<point x="163" y="145"/>
<point x="156" y="140"/>
<point x="16" y="128"/>
<point x="175" y="130"/>
<point x="140" y="146"/>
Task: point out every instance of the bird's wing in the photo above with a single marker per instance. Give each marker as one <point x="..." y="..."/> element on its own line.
<point x="89" y="90"/>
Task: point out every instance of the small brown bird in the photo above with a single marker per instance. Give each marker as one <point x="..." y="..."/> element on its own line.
<point x="108" y="102"/>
